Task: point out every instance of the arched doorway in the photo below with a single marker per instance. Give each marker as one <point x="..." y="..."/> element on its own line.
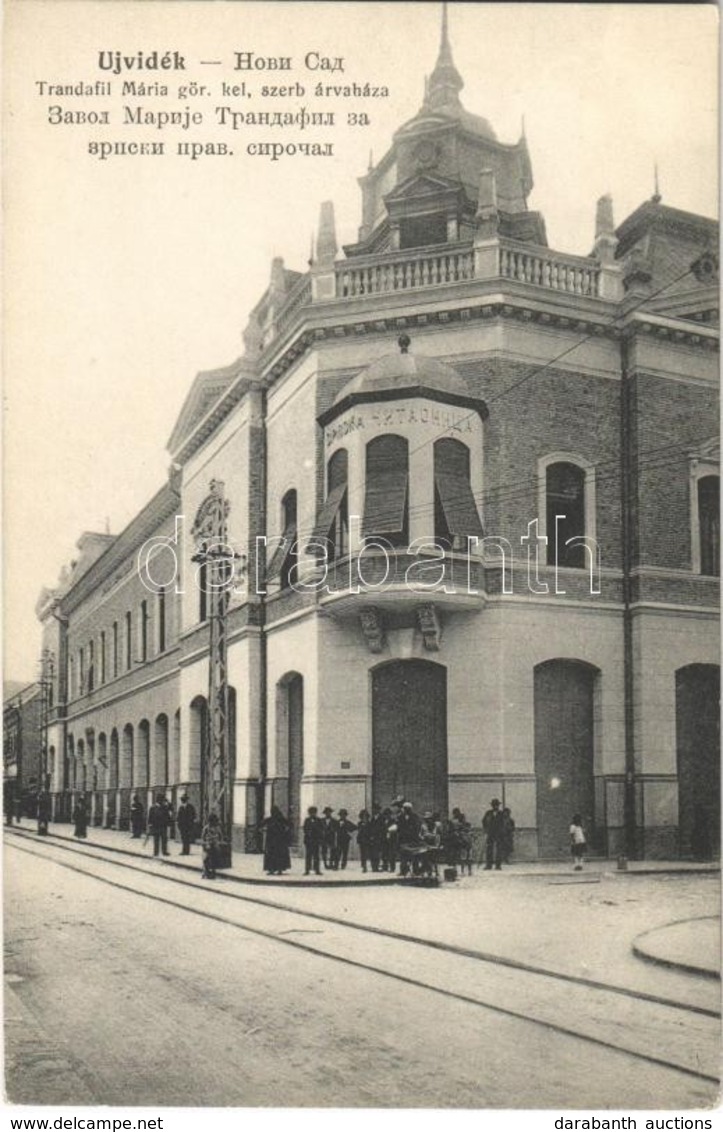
<point x="564" y="749"/>
<point x="697" y="734"/>
<point x="113" y="764"/>
<point x="159" y="761"/>
<point x="198" y="739"/>
<point x="409" y="734"/>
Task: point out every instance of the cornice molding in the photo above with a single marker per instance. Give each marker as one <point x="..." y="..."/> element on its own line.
<point x="163" y="504"/>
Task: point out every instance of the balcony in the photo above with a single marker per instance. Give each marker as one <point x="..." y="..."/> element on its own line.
<point x="400" y="581"/>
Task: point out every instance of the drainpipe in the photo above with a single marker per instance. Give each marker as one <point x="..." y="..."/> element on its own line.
<point x="629" y="518"/>
<point x="263" y="652"/>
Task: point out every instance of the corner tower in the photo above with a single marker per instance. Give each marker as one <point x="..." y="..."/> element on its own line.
<point x="426" y="189"/>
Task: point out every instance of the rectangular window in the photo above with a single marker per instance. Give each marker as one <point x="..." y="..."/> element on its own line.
<point x="91" y="665"/>
<point x="143" y="627"/>
<point x="101" y="657"/>
<point x="81" y="672"/>
<point x="129" y="641"/>
<point x="115" y="648"/>
<point x="162" y="621"/>
<point x="420" y="231"/>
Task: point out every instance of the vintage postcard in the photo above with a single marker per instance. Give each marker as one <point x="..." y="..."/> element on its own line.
<point x="362" y="555"/>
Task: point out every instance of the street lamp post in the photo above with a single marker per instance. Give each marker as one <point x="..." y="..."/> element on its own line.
<point x="47" y="668"/>
<point x="218" y="560"/>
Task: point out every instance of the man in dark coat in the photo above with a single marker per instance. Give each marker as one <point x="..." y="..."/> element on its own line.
<point x="377" y="836"/>
<point x="329" y="843"/>
<point x="186" y="822"/>
<point x="43" y="813"/>
<point x="137" y="815"/>
<point x="345" y="828"/>
<point x="493" y="824"/>
<point x="313" y="838"/>
<point x="364" y="839"/>
<point x="158" y="822"/>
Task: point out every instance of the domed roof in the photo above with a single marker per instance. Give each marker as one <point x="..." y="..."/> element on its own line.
<point x="397" y="372"/>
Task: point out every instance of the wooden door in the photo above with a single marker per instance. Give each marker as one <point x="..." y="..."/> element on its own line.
<point x="409" y="734"/>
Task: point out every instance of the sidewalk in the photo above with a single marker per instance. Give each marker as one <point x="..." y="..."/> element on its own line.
<point x="665" y="911"/>
<point x="248" y="867"/>
<point x="689" y="945"/>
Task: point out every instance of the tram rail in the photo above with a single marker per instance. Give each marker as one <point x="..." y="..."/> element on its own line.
<point x="662" y="1013"/>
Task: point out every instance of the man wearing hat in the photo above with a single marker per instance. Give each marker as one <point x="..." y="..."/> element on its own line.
<point x="345" y="828"/>
<point x="330" y="839"/>
<point x="493" y="824"/>
<point x="313" y="838"/>
<point x="186" y="822"/>
<point x="377" y="836"/>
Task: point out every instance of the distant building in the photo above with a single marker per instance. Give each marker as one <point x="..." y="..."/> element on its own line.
<point x="22" y="747"/>
<point x="530" y="440"/>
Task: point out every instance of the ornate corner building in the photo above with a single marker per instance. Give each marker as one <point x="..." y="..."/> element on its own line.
<point x="472" y="492"/>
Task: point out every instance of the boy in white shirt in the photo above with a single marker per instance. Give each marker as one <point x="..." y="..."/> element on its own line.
<point x="578" y="844"/>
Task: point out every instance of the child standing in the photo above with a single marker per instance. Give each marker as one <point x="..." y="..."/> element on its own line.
<point x="578" y="845"/>
<point x="211" y="840"/>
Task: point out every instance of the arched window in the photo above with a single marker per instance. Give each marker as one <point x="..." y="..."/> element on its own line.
<point x="286" y="555"/>
<point x="565" y="514"/>
<point x="386" y="497"/>
<point x="709" y="524"/>
<point x="455" y="511"/>
<point x="332" y="526"/>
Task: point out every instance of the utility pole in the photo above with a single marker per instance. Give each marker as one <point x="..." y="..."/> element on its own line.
<point x="218" y="561"/>
<point x="47" y="669"/>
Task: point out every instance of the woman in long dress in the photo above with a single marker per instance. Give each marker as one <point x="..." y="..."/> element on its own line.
<point x="80" y="817"/>
<point x="277" y="834"/>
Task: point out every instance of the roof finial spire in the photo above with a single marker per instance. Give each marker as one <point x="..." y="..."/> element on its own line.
<point x="656" y="198"/>
<point x="445" y="82"/>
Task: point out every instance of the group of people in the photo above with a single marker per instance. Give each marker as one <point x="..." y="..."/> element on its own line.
<point x="395" y="835"/>
<point x="160" y="821"/>
<point x="158" y="824"/>
<point x="386" y="837"/>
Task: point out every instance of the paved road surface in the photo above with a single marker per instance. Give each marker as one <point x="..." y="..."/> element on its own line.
<point x="134" y="1002"/>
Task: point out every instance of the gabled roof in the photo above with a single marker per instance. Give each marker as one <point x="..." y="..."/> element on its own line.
<point x="205" y="391"/>
<point x="421" y="185"/>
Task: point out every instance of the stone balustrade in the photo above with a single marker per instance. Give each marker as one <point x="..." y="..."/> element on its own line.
<point x="404" y="272"/>
<point x="388" y="273"/>
<point x="572" y="274"/>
